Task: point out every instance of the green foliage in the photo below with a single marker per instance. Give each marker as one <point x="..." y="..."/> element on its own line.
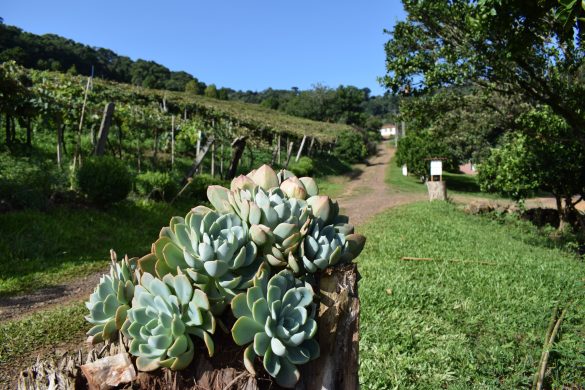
<point x="415" y="150"/>
<point x="504" y="46"/>
<point x="351" y="147"/>
<point x="104" y="180"/>
<point x="163" y="315"/>
<point x="508" y="170"/>
<point x="110" y="301"/>
<point x="198" y="185"/>
<point x="277" y="316"/>
<point x="445" y="324"/>
<point x="24" y="183"/>
<point x="303" y="167"/>
<point x="543" y="156"/>
<point x="156" y="185"/>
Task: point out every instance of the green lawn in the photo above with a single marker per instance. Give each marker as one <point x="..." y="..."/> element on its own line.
<point x="39" y="249"/>
<point x="443" y="324"/>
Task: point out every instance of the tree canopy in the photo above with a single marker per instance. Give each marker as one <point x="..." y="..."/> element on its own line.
<point x="510" y="46"/>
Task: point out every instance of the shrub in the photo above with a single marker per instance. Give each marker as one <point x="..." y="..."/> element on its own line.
<point x="104" y="180"/>
<point x="23" y="183"/>
<point x="415" y="150"/>
<point x="303" y="167"/>
<point x="351" y="147"/>
<point x="198" y="187"/>
<point x="156" y="185"/>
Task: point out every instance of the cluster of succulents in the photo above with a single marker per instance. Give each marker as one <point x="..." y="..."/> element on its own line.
<point x="252" y="255"/>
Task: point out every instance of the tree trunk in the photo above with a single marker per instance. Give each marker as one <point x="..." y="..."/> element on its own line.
<point x="338" y="318"/>
<point x="335" y="369"/>
<point x="8" y="133"/>
<point x="28" y="132"/>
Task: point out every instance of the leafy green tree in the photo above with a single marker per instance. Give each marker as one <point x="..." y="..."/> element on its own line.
<point x="211" y="91"/>
<point x="512" y="46"/>
<point x="195" y="87"/>
<point x="544" y="156"/>
<point x="416" y="149"/>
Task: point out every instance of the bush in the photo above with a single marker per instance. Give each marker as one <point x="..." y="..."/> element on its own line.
<point x="415" y="150"/>
<point x="198" y="187"/>
<point x="303" y="167"/>
<point x="104" y="180"/>
<point x="156" y="185"/>
<point x="351" y="147"/>
<point x="24" y="184"/>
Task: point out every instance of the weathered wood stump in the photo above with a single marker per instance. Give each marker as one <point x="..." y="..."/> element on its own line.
<point x="437" y="190"/>
<point x="336" y="368"/>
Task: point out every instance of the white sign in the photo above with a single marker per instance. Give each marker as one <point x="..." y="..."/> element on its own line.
<point x="436" y="168"/>
<point x="404" y="170"/>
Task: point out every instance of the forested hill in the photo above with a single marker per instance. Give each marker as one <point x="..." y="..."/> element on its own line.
<point x="345" y="104"/>
<point x="53" y="52"/>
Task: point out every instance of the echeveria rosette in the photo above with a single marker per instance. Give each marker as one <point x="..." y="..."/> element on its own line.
<point x="277" y="223"/>
<point x="277" y="317"/>
<point x="212" y="248"/>
<point x="326" y="246"/>
<point x="164" y="314"/>
<point x="110" y="301"/>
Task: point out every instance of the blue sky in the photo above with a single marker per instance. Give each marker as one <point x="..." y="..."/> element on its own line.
<point x="252" y="44"/>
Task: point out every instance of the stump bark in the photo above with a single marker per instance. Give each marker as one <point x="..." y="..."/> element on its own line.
<point x="335" y="369"/>
<point x="437" y="190"/>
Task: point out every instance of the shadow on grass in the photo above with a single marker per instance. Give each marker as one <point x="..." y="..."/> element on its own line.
<point x="39" y="249"/>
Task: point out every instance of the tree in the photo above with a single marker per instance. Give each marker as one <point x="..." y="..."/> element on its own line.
<point x="543" y="156"/>
<point x="415" y="150"/>
<point x="195" y="87"/>
<point x="211" y="91"/>
<point x="511" y="46"/>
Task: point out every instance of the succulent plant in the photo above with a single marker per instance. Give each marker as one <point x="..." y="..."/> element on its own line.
<point x="328" y="245"/>
<point x="213" y="249"/>
<point x="164" y="314"/>
<point x="110" y="300"/>
<point x="277" y="223"/>
<point x="276" y="317"/>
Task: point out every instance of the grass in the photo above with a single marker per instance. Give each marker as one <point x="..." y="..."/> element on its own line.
<point x="40" y="249"/>
<point x="452" y="325"/>
<point x="457" y="183"/>
<point x="19" y="337"/>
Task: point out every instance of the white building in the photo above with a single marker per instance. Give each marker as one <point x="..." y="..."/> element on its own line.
<point x="388" y="130"/>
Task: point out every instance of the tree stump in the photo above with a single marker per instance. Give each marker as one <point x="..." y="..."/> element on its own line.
<point x="437" y="190"/>
<point x="335" y="369"/>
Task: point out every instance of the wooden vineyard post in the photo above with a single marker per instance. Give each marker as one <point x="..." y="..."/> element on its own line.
<point x="172" y="142"/>
<point x="274" y="153"/>
<point x="213" y="160"/>
<point x="198" y="143"/>
<point x="278" y="148"/>
<point x="311" y="146"/>
<point x="221" y="161"/>
<point x="301" y="148"/>
<point x="59" y="143"/>
<point x="289" y="153"/>
<point x="238" y="147"/>
<point x="198" y="160"/>
<point x="104" y="129"/>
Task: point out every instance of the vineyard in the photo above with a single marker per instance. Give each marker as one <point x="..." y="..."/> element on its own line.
<point x="54" y="121"/>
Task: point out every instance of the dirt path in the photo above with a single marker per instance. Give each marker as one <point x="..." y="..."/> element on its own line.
<point x="368" y="194"/>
